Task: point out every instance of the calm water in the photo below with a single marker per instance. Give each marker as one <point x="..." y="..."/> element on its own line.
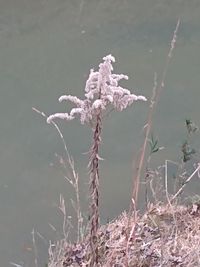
<point x="46" y="49"/>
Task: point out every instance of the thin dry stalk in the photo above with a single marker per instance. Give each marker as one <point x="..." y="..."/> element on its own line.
<point x="73" y="180"/>
<point x="147" y="175"/>
<point x="166" y="182"/>
<point x="35" y="248"/>
<point x="15" y="264"/>
<point x="185" y="183"/>
<point x="131" y="237"/>
<point x="80" y="231"/>
<point x="154" y="100"/>
<point x="139" y="165"/>
<point x="155" y="184"/>
<point x="168" y="199"/>
<point x="62" y="208"/>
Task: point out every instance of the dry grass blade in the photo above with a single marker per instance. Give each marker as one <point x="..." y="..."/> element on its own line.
<point x="154" y="100"/>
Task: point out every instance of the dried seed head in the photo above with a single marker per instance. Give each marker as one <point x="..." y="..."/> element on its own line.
<point x="101" y="89"/>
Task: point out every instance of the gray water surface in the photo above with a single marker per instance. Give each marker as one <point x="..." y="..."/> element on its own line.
<point x="47" y="48"/>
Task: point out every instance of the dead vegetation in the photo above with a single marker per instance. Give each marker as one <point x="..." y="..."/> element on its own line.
<point x="163" y="236"/>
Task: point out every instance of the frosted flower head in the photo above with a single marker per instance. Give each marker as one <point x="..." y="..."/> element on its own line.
<point x="101" y="89"/>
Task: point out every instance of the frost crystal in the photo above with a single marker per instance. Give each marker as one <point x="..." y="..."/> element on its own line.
<point x="101" y="90"/>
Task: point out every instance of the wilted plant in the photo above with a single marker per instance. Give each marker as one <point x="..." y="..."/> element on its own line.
<point x="102" y="90"/>
<point x="186" y="149"/>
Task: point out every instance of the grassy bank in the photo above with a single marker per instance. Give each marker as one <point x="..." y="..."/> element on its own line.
<point x="166" y="235"/>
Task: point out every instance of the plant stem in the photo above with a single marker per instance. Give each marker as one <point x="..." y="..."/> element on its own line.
<point x="94" y="190"/>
